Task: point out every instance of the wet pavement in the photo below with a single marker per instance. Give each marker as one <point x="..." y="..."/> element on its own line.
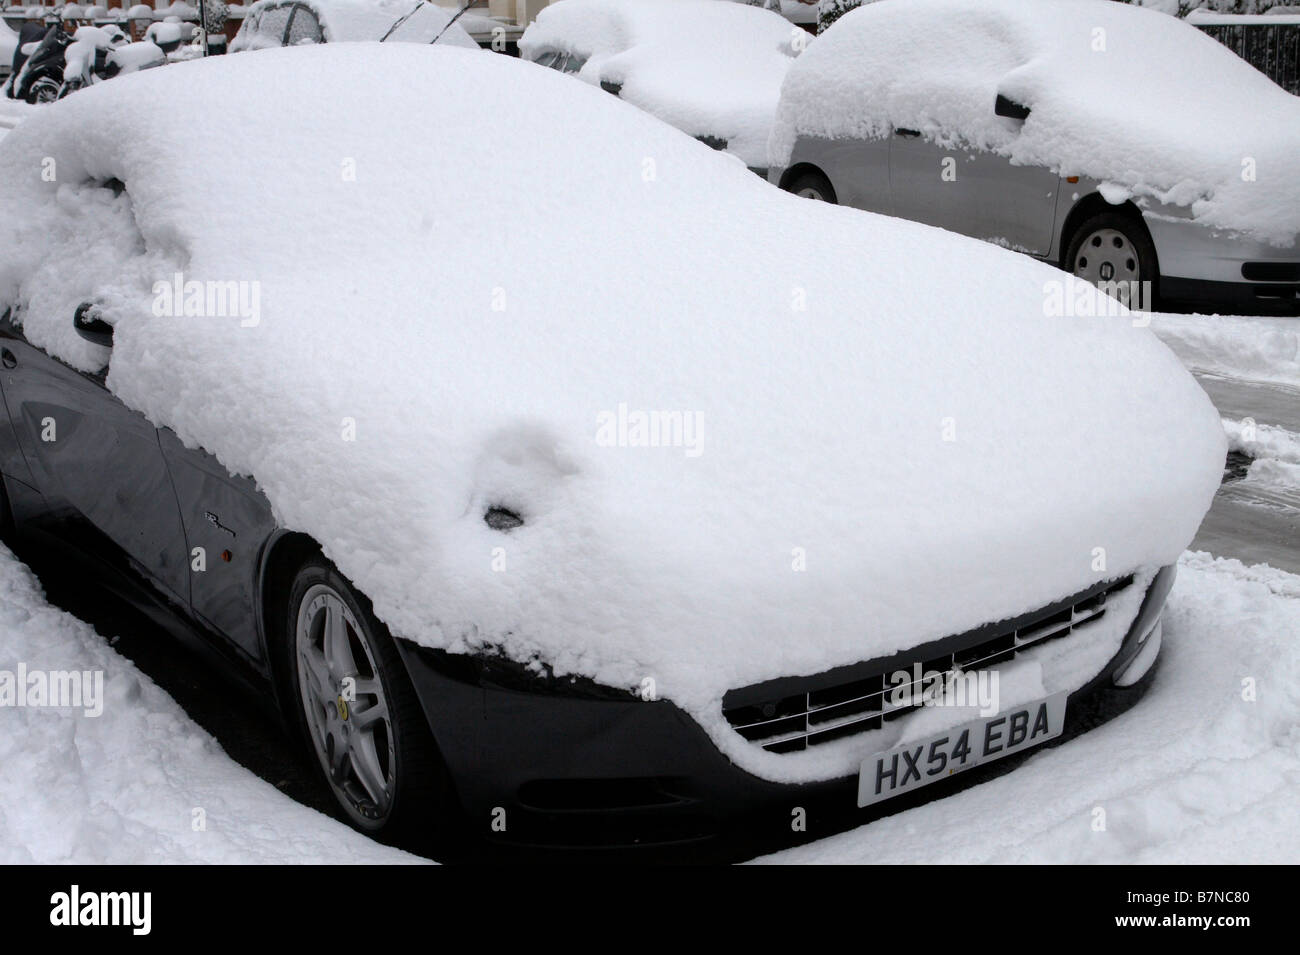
<point x="1255" y="524"/>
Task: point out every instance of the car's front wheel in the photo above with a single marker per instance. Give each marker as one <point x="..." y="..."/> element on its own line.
<point x="1114" y="252"/>
<point x="359" y="711"/>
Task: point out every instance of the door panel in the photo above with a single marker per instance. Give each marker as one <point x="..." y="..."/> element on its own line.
<point x="230" y="520"/>
<point x="859" y="172"/>
<point x="97" y="464"/>
<point x="974" y="193"/>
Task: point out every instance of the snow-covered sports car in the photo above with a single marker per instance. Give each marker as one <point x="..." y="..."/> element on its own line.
<point x="606" y="516"/>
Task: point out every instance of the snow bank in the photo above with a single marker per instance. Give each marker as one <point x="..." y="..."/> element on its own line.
<point x="1108" y="85"/>
<point x="360" y="20"/>
<point x="709" y="68"/>
<point x="1257" y="348"/>
<point x="1263" y="441"/>
<point x="1195" y="773"/>
<point x="850" y="460"/>
<point x="123" y="787"/>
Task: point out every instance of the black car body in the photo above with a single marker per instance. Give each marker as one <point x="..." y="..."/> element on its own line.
<point x="572" y="763"/>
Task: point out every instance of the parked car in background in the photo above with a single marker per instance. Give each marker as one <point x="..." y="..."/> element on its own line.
<point x="1117" y="142"/>
<point x="272" y="23"/>
<point x="8" y="46"/>
<point x="711" y="68"/>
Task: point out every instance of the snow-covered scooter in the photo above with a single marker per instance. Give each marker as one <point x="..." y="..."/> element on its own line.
<point x="38" y="66"/>
<point x="98" y="54"/>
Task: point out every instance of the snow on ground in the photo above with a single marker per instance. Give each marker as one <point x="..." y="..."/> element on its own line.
<point x="123" y="786"/>
<point x="1258" y="348"/>
<point x="1194" y="773"/>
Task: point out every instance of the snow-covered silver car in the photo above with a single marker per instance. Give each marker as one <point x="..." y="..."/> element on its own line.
<point x="1066" y="130"/>
<point x="711" y="68"/>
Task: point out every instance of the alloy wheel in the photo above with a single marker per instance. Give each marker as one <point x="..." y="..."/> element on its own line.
<point x="347" y="708"/>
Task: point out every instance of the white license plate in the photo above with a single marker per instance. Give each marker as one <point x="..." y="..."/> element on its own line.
<point x="920" y="763"/>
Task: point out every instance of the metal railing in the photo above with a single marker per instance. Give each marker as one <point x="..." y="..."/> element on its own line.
<point x="1272" y="48"/>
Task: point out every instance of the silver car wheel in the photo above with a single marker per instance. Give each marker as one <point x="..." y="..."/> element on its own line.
<point x="347" y="710"/>
<point x="811" y="192"/>
<point x="1108" y="256"/>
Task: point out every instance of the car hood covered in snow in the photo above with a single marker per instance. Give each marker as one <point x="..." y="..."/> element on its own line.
<point x="709" y="67"/>
<point x="869" y="432"/>
<point x="1117" y="93"/>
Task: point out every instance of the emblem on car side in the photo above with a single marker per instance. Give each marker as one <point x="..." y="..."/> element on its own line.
<point x="216" y="522"/>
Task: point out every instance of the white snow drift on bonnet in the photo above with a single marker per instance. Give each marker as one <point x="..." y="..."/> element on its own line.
<point x="708" y="67"/>
<point x="424" y="351"/>
<point x="1118" y="93"/>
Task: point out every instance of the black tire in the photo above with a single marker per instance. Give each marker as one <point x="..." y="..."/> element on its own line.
<point x="812" y="185"/>
<point x="1130" y="259"/>
<point x="42" y="90"/>
<point x="422" y="803"/>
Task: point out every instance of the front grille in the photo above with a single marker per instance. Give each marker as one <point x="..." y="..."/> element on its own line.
<point x="793" y="713"/>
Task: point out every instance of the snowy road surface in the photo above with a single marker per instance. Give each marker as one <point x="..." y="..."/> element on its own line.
<point x="1258" y="519"/>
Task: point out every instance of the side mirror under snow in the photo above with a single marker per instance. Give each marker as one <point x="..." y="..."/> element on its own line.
<point x="91" y="327"/>
<point x="1010" y="108"/>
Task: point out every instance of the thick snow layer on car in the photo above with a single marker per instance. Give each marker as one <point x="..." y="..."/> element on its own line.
<point x="1203" y="770"/>
<point x="360" y="20"/>
<point x="710" y="68"/>
<point x="1109" y="88"/>
<point x="126" y="777"/>
<point x="736" y="456"/>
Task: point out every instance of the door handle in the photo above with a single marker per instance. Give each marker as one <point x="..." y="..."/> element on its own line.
<point x="8" y="358"/>
<point x="907" y="133"/>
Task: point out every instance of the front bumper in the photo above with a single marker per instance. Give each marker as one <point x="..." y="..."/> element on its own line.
<point x="557" y="771"/>
<point x="1202" y="267"/>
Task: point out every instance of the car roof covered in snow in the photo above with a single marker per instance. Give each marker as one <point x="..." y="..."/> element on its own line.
<point x="1117" y="93"/>
<point x="360" y="20"/>
<point x="709" y="67"/>
<point x="749" y="435"/>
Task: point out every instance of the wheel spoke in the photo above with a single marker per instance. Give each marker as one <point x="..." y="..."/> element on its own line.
<point x="318" y="683"/>
<point x="365" y="766"/>
<point x="364" y="720"/>
<point x="337" y="648"/>
<point x="338" y="755"/>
